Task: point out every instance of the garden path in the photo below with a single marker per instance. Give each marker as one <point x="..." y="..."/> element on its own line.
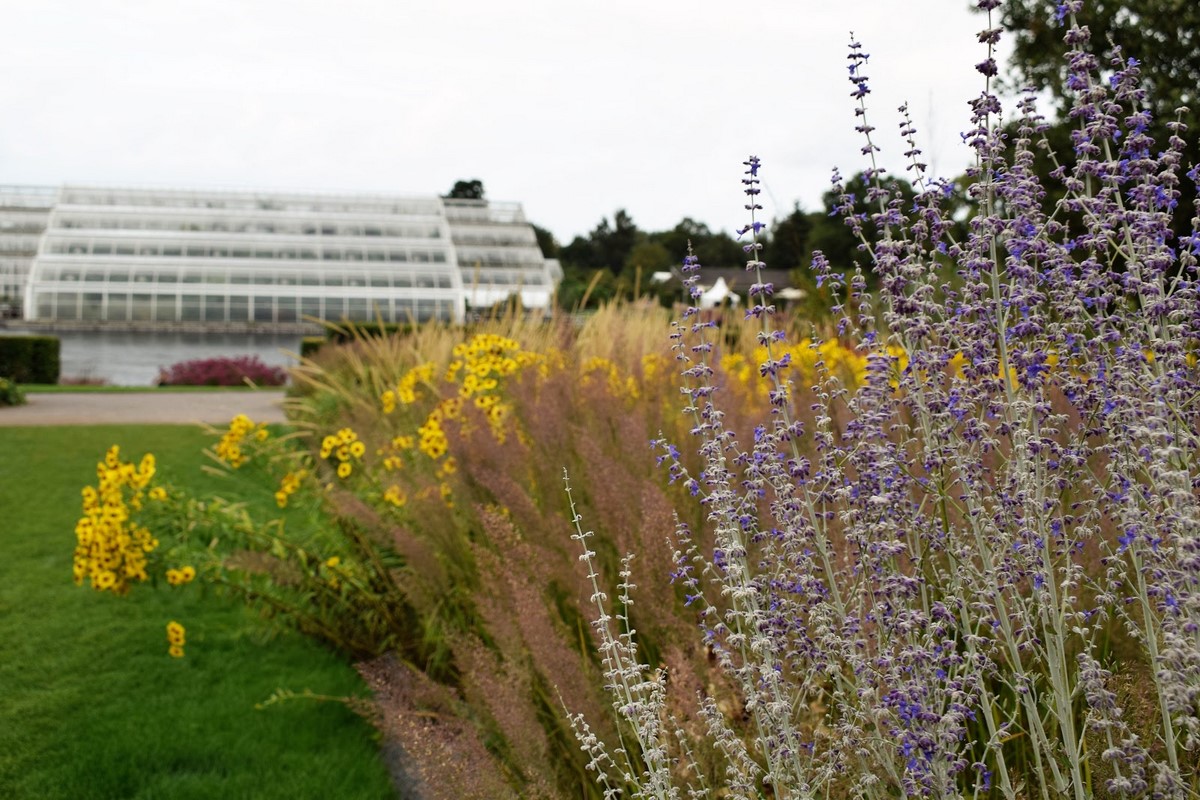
<point x="148" y="408"/>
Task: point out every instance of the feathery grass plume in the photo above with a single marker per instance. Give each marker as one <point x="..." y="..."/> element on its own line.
<point x="923" y="586"/>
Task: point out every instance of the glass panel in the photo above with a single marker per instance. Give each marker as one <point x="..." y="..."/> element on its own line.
<point x="68" y="305"/>
<point x="443" y="281"/>
<point x="91" y="307"/>
<point x="164" y="308"/>
<point x="286" y="309"/>
<point x="101" y="249"/>
<point x="239" y="308"/>
<point x="310" y="279"/>
<point x="425" y="310"/>
<point x="264" y="309"/>
<point x="237" y="276"/>
<point x="264" y="278"/>
<point x="167" y="276"/>
<point x="189" y="308"/>
<point x="379" y="279"/>
<point x="356" y="309"/>
<point x="311" y="307"/>
<point x="402" y="280"/>
<point x="118" y="276"/>
<point x="118" y="307"/>
<point x="94" y="276"/>
<point x="172" y="250"/>
<point x="69" y="274"/>
<point x="333" y="279"/>
<point x="45" y="305"/>
<point x="335" y="309"/>
<point x="142" y="308"/>
<point x="214" y="309"/>
<point x="397" y="255"/>
<point x="197" y="251"/>
<point x="191" y="276"/>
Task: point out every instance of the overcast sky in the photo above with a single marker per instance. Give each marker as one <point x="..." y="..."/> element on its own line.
<point x="573" y="108"/>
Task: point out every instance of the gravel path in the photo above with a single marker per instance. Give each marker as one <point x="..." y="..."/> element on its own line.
<point x="149" y="408"/>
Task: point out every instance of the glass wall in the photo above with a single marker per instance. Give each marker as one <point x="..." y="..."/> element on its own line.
<point x="240" y="257"/>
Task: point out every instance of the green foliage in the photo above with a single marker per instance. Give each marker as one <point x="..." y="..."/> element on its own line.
<point x="788" y="246"/>
<point x="30" y="359"/>
<point x="309" y="345"/>
<point x="10" y="393"/>
<point x="351" y="331"/>
<point x="831" y="235"/>
<point x="546" y="242"/>
<point x="1159" y="34"/>
<point x="467" y="190"/>
<point x="647" y="257"/>
<point x="713" y="249"/>
<point x="607" y="246"/>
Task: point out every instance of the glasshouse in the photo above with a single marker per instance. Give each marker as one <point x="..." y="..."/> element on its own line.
<point x="153" y="255"/>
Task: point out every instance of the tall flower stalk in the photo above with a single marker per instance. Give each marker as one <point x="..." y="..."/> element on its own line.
<point x="978" y="574"/>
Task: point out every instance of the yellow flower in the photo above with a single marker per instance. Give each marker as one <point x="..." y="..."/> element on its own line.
<point x="395" y="496"/>
<point x="176" y="634"/>
<point x="357" y="449"/>
<point x="158" y="493"/>
<point x="344" y="469"/>
<point x="187" y="574"/>
<point x="176" y="651"/>
<point x="261" y="434"/>
<point x="333" y="561"/>
<point x="173" y="577"/>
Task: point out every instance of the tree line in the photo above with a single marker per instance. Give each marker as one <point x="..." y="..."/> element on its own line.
<point x="1159" y="37"/>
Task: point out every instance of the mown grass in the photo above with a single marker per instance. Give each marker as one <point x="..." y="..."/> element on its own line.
<point x="91" y="706"/>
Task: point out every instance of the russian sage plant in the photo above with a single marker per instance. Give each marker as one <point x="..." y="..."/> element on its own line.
<point x="975" y="575"/>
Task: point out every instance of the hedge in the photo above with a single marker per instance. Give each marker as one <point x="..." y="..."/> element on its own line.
<point x="30" y="359"/>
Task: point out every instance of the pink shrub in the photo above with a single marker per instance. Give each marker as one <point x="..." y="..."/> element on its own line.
<point x="222" y="371"/>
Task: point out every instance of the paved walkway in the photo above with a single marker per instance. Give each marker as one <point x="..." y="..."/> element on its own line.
<point x="144" y="408"/>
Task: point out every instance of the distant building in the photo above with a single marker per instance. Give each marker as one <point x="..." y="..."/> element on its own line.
<point x="144" y="256"/>
<point x="24" y="212"/>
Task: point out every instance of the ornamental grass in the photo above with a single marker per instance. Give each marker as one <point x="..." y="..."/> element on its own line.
<point x="945" y="548"/>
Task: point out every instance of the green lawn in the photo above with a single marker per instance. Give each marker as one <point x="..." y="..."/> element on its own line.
<point x="91" y="706"/>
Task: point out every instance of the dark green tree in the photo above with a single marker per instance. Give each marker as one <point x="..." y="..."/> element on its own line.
<point x="717" y="249"/>
<point x="606" y="246"/>
<point x="467" y="190"/>
<point x="1162" y="35"/>
<point x="832" y="236"/>
<point x="546" y="242"/>
<point x="788" y="243"/>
